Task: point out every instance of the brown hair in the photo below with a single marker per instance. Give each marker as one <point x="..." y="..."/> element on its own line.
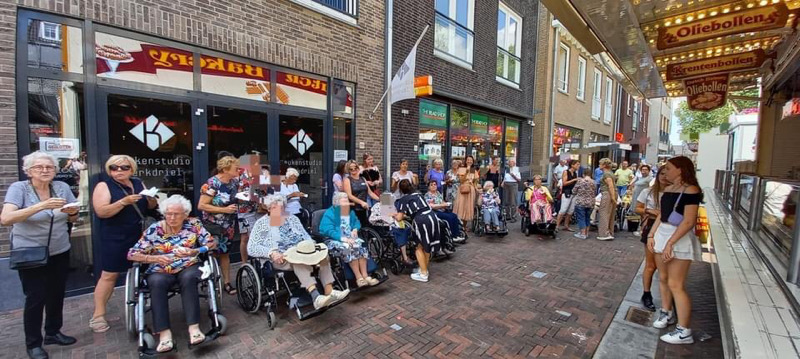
<point x="656" y="189"/>
<point x="688" y="173"/>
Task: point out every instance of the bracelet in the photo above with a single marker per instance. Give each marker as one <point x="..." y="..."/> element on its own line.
<point x="202" y="249"/>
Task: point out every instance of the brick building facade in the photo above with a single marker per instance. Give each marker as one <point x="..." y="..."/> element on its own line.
<point x="634" y="120"/>
<point x="469" y="83"/>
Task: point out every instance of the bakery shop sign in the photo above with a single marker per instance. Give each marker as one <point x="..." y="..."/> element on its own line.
<point x="706" y="93"/>
<point x="728" y="63"/>
<point x="748" y="20"/>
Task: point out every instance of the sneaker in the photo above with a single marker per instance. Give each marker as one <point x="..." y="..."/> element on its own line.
<point x="607" y="238"/>
<point x="647" y="301"/>
<point x="680" y="335"/>
<point x="338" y="295"/>
<point x="578" y="235"/>
<point x="664" y="320"/>
<point x="459" y="240"/>
<point x="372" y="281"/>
<point x="637" y="233"/>
<point x="323" y="301"/>
<point x="415" y="270"/>
<point x="419" y="277"/>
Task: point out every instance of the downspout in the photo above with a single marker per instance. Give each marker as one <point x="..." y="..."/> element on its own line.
<point x="387" y="122"/>
<point x="553" y="101"/>
<point x="533" y="110"/>
<point x="618" y="112"/>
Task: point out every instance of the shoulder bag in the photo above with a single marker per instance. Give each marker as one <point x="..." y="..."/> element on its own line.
<point x="32" y="257"/>
<point x="146" y="220"/>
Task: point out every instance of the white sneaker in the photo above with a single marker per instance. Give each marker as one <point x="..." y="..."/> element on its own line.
<point x="578" y="235"/>
<point x="680" y="335"/>
<point x="338" y="295"/>
<point x="419" y="277"/>
<point x="608" y="238"/>
<point x="415" y="270"/>
<point x="637" y="233"/>
<point x="664" y="320"/>
<point x="322" y="301"/>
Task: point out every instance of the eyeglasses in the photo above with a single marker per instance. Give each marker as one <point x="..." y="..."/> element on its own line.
<point x="41" y="168"/>
<point x="353" y="169"/>
<point x="119" y="168"/>
<point x="174" y="214"/>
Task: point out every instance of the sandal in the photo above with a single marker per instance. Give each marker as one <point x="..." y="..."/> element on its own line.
<point x="229" y="289"/>
<point x="99" y="325"/>
<point x="165" y="346"/>
<point x="198" y="338"/>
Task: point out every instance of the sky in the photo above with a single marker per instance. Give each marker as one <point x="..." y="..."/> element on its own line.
<point x="675" y="128"/>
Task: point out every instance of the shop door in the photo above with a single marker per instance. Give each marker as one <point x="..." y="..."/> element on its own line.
<point x="302" y="145"/>
<point x="160" y="133"/>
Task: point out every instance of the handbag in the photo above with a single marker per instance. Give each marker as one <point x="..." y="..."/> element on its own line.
<point x="675" y="218"/>
<point x="702" y="229"/>
<point x="32" y="257"/>
<point x="647" y="225"/>
<point x="464" y="188"/>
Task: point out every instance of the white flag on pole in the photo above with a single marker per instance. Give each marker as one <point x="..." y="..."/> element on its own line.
<point x="402" y="87"/>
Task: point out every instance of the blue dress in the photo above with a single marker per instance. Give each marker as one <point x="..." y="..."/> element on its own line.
<point x="120" y="233"/>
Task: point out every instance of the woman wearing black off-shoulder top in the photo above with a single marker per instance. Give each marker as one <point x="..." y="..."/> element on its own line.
<point x="673" y="241"/>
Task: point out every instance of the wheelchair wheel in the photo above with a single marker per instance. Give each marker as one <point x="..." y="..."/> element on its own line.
<point x="396" y="267"/>
<point x="249" y="285"/>
<point x="374" y="243"/>
<point x="216" y="271"/>
<point x="149" y="341"/>
<point x="271" y="320"/>
<point x="130" y="301"/>
<point x="223" y="323"/>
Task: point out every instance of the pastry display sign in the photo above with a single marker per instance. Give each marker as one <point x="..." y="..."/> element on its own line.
<point x="729" y="63"/>
<point x="706" y="93"/>
<point x="747" y="20"/>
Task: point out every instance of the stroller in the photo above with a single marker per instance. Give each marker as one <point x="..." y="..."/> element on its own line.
<point x="528" y="228"/>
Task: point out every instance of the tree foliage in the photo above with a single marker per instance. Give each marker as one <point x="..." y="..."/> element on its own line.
<point x="694" y="123"/>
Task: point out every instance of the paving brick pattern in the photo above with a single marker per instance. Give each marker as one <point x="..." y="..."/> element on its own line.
<point x="483" y="302"/>
<point x="704" y="318"/>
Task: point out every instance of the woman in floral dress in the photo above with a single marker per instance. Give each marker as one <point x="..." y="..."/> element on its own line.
<point x="218" y="204"/>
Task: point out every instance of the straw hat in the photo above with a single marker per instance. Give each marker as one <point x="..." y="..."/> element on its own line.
<point x="306" y="252"/>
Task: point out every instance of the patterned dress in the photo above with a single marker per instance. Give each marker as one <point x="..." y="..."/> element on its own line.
<point x="263" y="240"/>
<point x="220" y="224"/>
<point x="340" y="249"/>
<point x="156" y="241"/>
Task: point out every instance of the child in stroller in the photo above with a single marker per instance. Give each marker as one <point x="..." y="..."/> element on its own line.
<point x="537" y="210"/>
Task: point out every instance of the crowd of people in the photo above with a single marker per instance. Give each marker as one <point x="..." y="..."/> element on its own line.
<point x="274" y="227"/>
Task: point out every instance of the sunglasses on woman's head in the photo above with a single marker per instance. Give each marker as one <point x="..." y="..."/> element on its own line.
<point x="119" y="168"/>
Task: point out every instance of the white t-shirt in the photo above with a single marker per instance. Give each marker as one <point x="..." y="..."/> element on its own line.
<point x="292" y="204"/>
<point x="514" y="170"/>
<point x="559" y="170"/>
<point x="397" y="177"/>
<point x="647" y="199"/>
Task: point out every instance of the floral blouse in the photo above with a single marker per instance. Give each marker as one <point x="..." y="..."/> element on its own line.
<point x="490" y="200"/>
<point x="433" y="198"/>
<point x="156" y="241"/>
<point x="222" y="195"/>
<point x="265" y="239"/>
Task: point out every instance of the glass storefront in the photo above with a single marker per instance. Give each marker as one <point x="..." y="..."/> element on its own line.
<point x="432" y="134"/>
<point x="566" y="138"/>
<point x="779" y="210"/>
<point x="302" y="148"/>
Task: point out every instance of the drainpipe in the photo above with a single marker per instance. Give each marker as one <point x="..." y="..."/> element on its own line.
<point x="387" y="123"/>
<point x="553" y="101"/>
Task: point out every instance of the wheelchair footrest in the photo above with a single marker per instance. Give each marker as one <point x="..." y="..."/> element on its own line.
<point x="150" y="353"/>
<point x="211" y="336"/>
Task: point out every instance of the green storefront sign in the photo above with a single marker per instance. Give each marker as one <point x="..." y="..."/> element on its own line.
<point x="432" y="114"/>
<point x="479" y="124"/>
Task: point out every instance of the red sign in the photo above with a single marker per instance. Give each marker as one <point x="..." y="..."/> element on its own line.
<point x="706" y="93"/>
<point x="619" y="137"/>
<point x="728" y="63"/>
<point x="791" y="108"/>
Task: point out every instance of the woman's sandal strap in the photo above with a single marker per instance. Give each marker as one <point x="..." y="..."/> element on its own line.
<point x="165" y="344"/>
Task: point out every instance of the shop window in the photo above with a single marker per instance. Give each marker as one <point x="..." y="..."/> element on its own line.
<point x="459" y="134"/>
<point x="479" y="138"/>
<point x="343" y="98"/>
<point x="432" y="135"/>
<point x="302" y="146"/>
<point x="566" y="138"/>
<point x="778" y="213"/>
<point x="53" y="46"/>
<point x="509" y="39"/>
<point x="222" y="76"/>
<point x="57" y="126"/>
<point x="453" y="34"/>
<point x="512" y="140"/>
<point x="342" y="140"/>
<point x="301" y="90"/>
<point x="563" y="68"/>
<point x="237" y="131"/>
<point x="133" y="60"/>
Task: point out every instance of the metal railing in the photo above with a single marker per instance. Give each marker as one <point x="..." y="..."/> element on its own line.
<point x="347" y="7"/>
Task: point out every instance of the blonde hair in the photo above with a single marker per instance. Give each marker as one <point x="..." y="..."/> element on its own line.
<point x="604" y="162"/>
<point x="114" y="159"/>
<point x="226" y="162"/>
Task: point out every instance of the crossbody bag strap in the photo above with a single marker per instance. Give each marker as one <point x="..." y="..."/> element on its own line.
<point x="135" y="206"/>
<point x="52" y="215"/>
<point x="675" y="207"/>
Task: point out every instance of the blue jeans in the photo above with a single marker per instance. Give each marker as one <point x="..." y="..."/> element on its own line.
<point x="491" y="216"/>
<point x="621" y="190"/>
<point x="452" y="222"/>
<point x="401" y="235"/>
<point x="584" y="215"/>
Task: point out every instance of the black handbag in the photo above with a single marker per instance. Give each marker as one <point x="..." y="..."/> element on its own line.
<point x="32" y="257"/>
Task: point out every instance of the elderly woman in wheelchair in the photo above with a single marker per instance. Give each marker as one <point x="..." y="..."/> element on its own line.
<point x="284" y="241"/>
<point x="339" y="226"/>
<point x="171" y="249"/>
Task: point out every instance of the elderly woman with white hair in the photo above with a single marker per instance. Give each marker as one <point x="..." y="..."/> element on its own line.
<point x="436" y="174"/>
<point x="340" y="227"/>
<point x="490" y="206"/>
<point x="172" y="247"/>
<point x="274" y="234"/>
<point x="291" y="191"/>
<point x="38" y="210"/>
<point x="120" y="213"/>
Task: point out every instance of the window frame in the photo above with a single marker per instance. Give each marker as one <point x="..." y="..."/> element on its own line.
<point x="469" y="28"/>
<point x="517" y="41"/>
<point x="563" y="72"/>
<point x="609" y="100"/>
<point x="629" y="105"/>
<point x="636" y="117"/>
<point x="597" y="95"/>
<point x="43" y="25"/>
<point x="581" y="92"/>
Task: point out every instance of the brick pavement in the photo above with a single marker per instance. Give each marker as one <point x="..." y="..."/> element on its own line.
<point x="481" y="303"/>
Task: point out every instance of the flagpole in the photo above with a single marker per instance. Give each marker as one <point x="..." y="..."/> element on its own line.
<point x="425" y="30"/>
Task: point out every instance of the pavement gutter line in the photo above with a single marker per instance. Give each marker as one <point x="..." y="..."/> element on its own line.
<point x="723" y="310"/>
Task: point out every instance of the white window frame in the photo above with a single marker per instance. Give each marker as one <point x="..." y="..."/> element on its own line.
<point x="581" y="94"/>
<point x="629" y="104"/>
<point x="518" y="48"/>
<point x="609" y="98"/>
<point x="637" y="109"/>
<point x="43" y="33"/>
<point x="563" y="71"/>
<point x="466" y="63"/>
<point x="330" y="12"/>
<point x="597" y="95"/>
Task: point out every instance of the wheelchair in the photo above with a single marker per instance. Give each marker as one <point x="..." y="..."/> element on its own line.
<point x="137" y="304"/>
<point x="543" y="228"/>
<point x="479" y="226"/>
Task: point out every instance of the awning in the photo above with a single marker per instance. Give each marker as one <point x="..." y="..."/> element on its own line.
<point x="594" y="147"/>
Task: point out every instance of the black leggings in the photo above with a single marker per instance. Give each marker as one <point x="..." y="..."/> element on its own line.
<point x="160" y="284"/>
<point x="44" y="289"/>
